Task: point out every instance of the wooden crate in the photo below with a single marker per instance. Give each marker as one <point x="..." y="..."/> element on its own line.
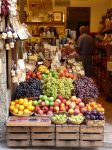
<point x="95" y="122"/>
<point x="91" y="136"/>
<point x="18" y="136"/>
<point x="43" y="136"/>
<point x="67" y="135"/>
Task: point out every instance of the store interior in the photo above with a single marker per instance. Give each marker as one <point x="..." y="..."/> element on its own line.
<point x="45" y="79"/>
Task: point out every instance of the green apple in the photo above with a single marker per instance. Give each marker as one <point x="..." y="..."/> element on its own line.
<point x="47" y="102"/>
<point x="51" y="103"/>
<point x="51" y="98"/>
<point x="39" y="101"/>
<point x="35" y="103"/>
<point x="40" y="97"/>
<point x="44" y="97"/>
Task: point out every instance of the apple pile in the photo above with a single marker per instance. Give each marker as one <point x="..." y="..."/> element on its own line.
<point x="73" y="106"/>
<point x="65" y="73"/>
<point x="31" y="74"/>
<point x="44" y="105"/>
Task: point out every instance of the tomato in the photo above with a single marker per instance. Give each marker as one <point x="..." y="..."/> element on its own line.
<point x="67" y="75"/>
<point x="62" y="74"/>
<point x="38" y="73"/>
<point x="30" y="73"/>
<point x="33" y="75"/>
<point x="39" y="76"/>
<point x="65" y="71"/>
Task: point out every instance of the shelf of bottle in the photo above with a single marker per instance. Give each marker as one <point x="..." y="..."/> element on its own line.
<point x="45" y="23"/>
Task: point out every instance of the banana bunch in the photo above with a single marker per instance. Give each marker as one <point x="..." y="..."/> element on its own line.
<point x="43" y="69"/>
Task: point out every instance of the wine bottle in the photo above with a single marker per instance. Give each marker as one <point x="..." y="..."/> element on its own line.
<point x="68" y="35"/>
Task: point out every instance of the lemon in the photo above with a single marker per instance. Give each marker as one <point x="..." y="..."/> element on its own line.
<point x="15" y="110"/>
<point x="20" y="112"/>
<point x="29" y="108"/>
<point x="17" y="105"/>
<point x="21" y="101"/>
<point x="26" y="111"/>
<point x="30" y="102"/>
<point x="25" y="100"/>
<point x="12" y="103"/>
<point x="11" y="107"/>
<point x="21" y="108"/>
<point x="26" y="104"/>
<point x="32" y="108"/>
<point x="16" y="101"/>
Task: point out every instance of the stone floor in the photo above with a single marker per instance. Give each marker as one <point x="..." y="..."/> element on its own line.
<point x="107" y="132"/>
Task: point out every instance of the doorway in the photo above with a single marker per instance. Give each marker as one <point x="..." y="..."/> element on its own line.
<point x="76" y="17"/>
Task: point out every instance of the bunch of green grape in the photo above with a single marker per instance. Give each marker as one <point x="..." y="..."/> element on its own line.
<point x="65" y="87"/>
<point x="50" y="87"/>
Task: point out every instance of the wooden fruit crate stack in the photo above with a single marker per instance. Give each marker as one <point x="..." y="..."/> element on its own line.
<point x="67" y="135"/>
<point x="18" y="136"/>
<point x="91" y="136"/>
<point x="43" y="136"/>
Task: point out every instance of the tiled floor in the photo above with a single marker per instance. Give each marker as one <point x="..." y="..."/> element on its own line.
<point x="107" y="136"/>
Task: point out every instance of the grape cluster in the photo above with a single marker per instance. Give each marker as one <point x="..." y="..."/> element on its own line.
<point x="53" y="87"/>
<point x="29" y="88"/>
<point x="85" y="87"/>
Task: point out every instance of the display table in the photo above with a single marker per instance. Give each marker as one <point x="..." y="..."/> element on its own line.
<point x="27" y="131"/>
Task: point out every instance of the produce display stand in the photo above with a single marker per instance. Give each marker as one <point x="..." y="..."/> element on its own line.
<point x="34" y="134"/>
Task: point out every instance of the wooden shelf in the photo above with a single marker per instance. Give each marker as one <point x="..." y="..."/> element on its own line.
<point x="46" y="23"/>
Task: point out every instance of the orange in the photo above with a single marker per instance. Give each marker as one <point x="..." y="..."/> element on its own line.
<point x="98" y="109"/>
<point x="89" y="108"/>
<point x="12" y="103"/>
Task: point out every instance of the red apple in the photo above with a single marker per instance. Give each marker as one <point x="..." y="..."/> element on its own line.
<point x="68" y="103"/>
<point x="56" y="103"/>
<point x="73" y="98"/>
<point x="60" y="97"/>
<point x="37" y="108"/>
<point x="63" y="101"/>
<point x="49" y="112"/>
<point x="27" y="77"/>
<point x="81" y="104"/>
<point x="71" y="111"/>
<point x="83" y="110"/>
<point x="40" y="112"/>
<point x="51" y="108"/>
<point x="62" y="105"/>
<point x="67" y="108"/>
<point x="72" y="105"/>
<point x="78" y="100"/>
<point x="45" y="109"/>
<point x="42" y="104"/>
<point x="56" y="109"/>
<point x="77" y="106"/>
<point x="62" y="109"/>
<point x="76" y="111"/>
<point x="58" y="100"/>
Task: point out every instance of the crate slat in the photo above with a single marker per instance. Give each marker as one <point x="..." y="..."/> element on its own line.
<point x="67" y="128"/>
<point x="18" y="129"/>
<point x="18" y="136"/>
<point x="87" y="129"/>
<point x="43" y="136"/>
<point x="18" y="143"/>
<point x="43" y="129"/>
<point x="67" y="143"/>
<point x="91" y="137"/>
<point x="91" y="143"/>
<point x="63" y="136"/>
<point x="42" y="142"/>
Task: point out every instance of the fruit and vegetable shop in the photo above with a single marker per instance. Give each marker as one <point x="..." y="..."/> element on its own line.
<point x="47" y="98"/>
